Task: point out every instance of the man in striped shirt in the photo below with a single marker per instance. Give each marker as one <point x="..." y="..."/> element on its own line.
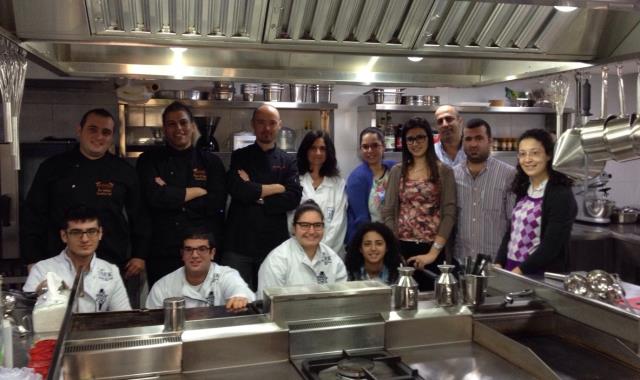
<point x="484" y="198"/>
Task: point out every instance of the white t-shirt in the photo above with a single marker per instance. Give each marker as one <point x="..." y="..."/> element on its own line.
<point x="103" y="286"/>
<point x="288" y="264"/>
<point x="332" y="199"/>
<point x="220" y="284"/>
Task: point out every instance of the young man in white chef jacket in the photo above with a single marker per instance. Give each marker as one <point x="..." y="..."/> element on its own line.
<point x="201" y="281"/>
<point x="103" y="289"/>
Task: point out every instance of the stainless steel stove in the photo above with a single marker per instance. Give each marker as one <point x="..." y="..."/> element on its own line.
<point x="372" y="365"/>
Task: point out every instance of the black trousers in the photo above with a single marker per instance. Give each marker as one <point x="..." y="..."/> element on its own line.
<point x="426" y="281"/>
<point x="158" y="267"/>
<point x="247" y="266"/>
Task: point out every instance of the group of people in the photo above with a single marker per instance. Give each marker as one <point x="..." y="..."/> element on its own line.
<point x="290" y="221"/>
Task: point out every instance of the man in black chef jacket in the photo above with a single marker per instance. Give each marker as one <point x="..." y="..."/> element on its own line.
<point x="263" y="184"/>
<point x="184" y="188"/>
<point x="89" y="175"/>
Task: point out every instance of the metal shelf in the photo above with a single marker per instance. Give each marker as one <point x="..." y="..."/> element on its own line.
<point x="461" y="109"/>
<point x="237" y="104"/>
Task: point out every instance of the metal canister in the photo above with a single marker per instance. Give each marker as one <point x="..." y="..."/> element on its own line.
<point x="174" y="314"/>
<point x="447" y="289"/>
<point x="406" y="290"/>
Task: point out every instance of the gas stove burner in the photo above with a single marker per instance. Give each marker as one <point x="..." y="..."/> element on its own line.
<point x="354" y="368"/>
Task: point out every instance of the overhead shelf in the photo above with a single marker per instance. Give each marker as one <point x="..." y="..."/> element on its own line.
<point x="461" y="109"/>
<point x="236" y="104"/>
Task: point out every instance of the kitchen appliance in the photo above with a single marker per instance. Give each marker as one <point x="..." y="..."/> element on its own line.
<point x="376" y="364"/>
<point x="207" y="127"/>
<point x="405" y="292"/>
<point x="447" y="287"/>
<point x="591" y="197"/>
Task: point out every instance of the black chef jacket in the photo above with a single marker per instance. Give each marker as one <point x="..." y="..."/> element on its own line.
<point x="171" y="216"/>
<point x="254" y="228"/>
<point x="108" y="184"/>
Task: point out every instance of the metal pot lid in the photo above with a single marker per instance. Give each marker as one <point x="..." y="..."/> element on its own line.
<point x="355" y="367"/>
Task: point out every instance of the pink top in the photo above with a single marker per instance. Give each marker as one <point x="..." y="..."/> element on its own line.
<point x="419" y="215"/>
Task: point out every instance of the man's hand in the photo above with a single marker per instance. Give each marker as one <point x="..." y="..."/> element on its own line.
<point x="193" y="193"/>
<point x="517" y="270"/>
<point x="134" y="267"/>
<point x="236" y="303"/>
<point x="160" y="181"/>
<point x="245" y="177"/>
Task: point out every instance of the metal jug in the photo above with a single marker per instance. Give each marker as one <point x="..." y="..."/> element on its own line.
<point x="406" y="290"/>
<point x="447" y="289"/>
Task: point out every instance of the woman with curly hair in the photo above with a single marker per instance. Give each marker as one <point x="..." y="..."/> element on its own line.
<point x="420" y="205"/>
<point x="545" y="209"/>
<point x="373" y="254"/>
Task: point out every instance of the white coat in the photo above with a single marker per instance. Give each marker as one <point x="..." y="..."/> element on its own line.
<point x="220" y="284"/>
<point x="103" y="286"/>
<point x="288" y="264"/>
<point x="332" y="199"/>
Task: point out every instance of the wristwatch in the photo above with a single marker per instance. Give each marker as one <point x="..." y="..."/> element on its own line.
<point x="438" y="246"/>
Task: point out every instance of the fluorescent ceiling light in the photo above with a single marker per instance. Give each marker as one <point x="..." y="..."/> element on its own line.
<point x="563" y="8"/>
<point x="511" y="77"/>
<point x="178" y="68"/>
<point x="414" y="59"/>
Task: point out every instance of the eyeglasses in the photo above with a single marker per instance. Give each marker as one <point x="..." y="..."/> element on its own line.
<point x="91" y="233"/>
<point x="532" y="154"/>
<point x="373" y="146"/>
<point x="201" y="250"/>
<point x="307" y="226"/>
<point x="448" y="119"/>
<point x="416" y="139"/>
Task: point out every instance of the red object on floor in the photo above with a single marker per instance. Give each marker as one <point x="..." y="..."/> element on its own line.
<point x="40" y="356"/>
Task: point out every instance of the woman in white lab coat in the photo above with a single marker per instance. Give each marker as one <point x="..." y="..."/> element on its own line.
<point x="320" y="180"/>
<point x="303" y="259"/>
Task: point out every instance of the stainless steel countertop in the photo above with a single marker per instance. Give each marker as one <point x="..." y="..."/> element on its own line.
<point x="625" y="232"/>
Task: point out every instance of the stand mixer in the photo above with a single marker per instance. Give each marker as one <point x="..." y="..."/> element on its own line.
<point x="591" y="196"/>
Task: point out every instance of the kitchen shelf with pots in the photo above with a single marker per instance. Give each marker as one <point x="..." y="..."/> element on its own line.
<point x="462" y="109"/>
<point x="239" y="104"/>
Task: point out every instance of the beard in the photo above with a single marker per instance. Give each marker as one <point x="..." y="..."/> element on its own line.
<point x="478" y="158"/>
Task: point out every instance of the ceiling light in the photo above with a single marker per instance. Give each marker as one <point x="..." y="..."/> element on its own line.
<point x="510" y="77"/>
<point x="178" y="68"/>
<point x="414" y="59"/>
<point x="564" y="8"/>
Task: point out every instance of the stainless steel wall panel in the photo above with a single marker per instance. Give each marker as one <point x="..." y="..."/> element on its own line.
<point x="324" y="17"/>
<point x="434" y="21"/>
<point x="452" y="22"/>
<point x="369" y="18"/>
<point x="347" y="18"/>
<point x="499" y="17"/>
<point x="414" y="22"/>
<point x="558" y="23"/>
<point x="515" y="24"/>
<point x="391" y="20"/>
<point x="478" y="16"/>
<point x="533" y="26"/>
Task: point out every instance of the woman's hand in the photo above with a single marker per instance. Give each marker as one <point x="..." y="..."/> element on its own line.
<point x="420" y="261"/>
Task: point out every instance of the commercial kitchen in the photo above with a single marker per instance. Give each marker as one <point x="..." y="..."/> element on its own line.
<point x="571" y="67"/>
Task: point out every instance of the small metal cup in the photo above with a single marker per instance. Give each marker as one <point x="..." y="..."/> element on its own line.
<point x="475" y="288"/>
<point x="174" y="314"/>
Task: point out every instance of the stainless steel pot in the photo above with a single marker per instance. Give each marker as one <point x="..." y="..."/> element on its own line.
<point x="223" y="95"/>
<point x="592" y="133"/>
<point x="249" y="91"/>
<point x="626" y="215"/>
<point x="618" y="131"/>
<point x="298" y="93"/>
<point x="382" y="95"/>
<point x="321" y="93"/>
<point x="272" y="92"/>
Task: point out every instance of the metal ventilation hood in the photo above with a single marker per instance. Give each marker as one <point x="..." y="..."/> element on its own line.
<point x="463" y="43"/>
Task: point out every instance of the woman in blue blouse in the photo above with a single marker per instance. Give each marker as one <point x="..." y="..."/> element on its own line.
<point x="366" y="184"/>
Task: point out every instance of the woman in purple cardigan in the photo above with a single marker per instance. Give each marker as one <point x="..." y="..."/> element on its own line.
<point x="366" y="185"/>
<point x="545" y="209"/>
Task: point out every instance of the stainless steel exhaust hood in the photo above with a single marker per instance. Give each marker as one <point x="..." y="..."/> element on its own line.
<point x="327" y="40"/>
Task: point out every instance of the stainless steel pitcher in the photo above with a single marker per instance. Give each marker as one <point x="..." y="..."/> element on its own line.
<point x="447" y="288"/>
<point x="406" y="290"/>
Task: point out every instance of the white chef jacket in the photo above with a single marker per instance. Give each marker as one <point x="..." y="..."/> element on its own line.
<point x="288" y="264"/>
<point x="103" y="286"/>
<point x="332" y="199"/>
<point x="220" y="284"/>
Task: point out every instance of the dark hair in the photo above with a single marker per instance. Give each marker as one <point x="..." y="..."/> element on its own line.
<point x="98" y="112"/>
<point x="79" y="212"/>
<point x="373" y="130"/>
<point x="477" y="123"/>
<point x="354" y="259"/>
<point x="308" y="205"/>
<point x="330" y="166"/>
<point x="175" y="107"/>
<point x="200" y="235"/>
<point x="431" y="157"/>
<point x="520" y="183"/>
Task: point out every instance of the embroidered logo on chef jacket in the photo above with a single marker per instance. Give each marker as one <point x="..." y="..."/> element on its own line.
<point x="211" y="299"/>
<point x="321" y="278"/>
<point x="101" y="299"/>
<point x="104" y="275"/>
<point x="199" y="174"/>
<point x="215" y="277"/>
<point x="325" y="259"/>
<point x="329" y="214"/>
<point x="104" y="189"/>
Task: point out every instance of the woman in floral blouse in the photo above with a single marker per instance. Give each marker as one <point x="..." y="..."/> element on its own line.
<point x="420" y="205"/>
